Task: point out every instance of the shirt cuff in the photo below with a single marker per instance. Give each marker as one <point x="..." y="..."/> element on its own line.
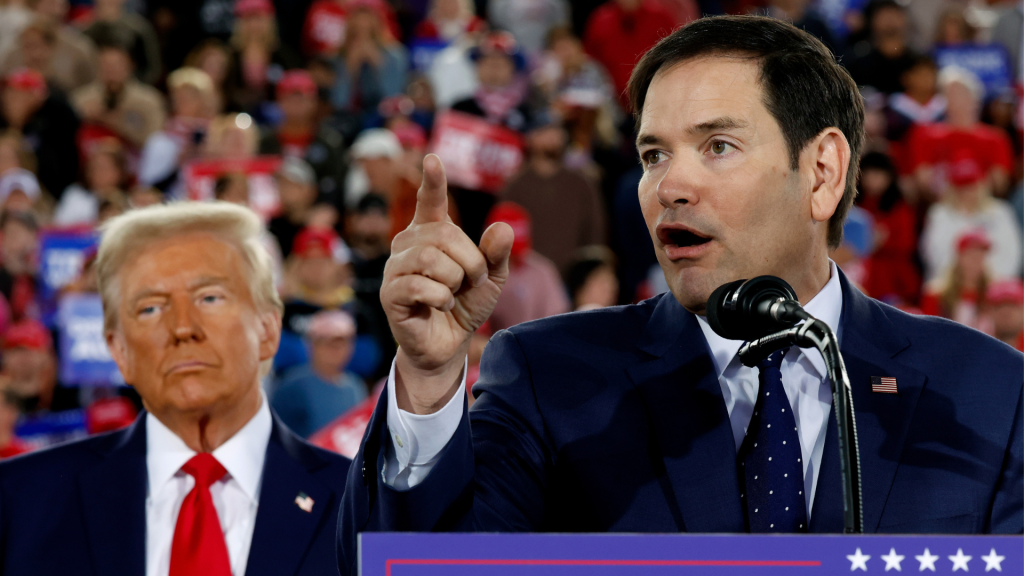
<point x="418" y="439"/>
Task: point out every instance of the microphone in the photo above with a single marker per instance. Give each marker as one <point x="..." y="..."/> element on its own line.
<point x="750" y="309"/>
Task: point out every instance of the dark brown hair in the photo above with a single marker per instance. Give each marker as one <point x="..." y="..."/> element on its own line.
<point x="805" y="89"/>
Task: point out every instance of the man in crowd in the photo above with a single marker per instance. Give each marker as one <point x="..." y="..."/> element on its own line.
<point x="296" y="185"/>
<point x="48" y="124"/>
<point x="642" y="418"/>
<point x="207" y="480"/>
<point x="61" y="53"/>
<point x="881" y="60"/>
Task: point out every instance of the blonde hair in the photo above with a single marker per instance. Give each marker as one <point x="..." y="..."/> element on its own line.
<point x="957" y="75"/>
<point x="219" y="128"/>
<point x="194" y="77"/>
<point x="125" y="236"/>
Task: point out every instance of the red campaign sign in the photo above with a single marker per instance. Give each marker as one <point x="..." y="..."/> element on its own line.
<point x="201" y="175"/>
<point x="344" y="434"/>
<point x="477" y="155"/>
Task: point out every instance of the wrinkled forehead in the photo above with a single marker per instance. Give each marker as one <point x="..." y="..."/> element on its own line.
<point x="181" y="261"/>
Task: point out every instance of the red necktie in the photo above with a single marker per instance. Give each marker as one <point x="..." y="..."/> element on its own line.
<point x="198" y="548"/>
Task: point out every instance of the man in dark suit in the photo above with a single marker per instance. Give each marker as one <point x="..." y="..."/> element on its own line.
<point x="207" y="480"/>
<point x="641" y="418"/>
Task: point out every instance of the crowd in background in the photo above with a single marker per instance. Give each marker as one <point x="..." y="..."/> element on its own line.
<point x="317" y="114"/>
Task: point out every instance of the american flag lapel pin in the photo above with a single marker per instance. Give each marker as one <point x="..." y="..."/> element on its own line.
<point x="305" y="503"/>
<point x="884" y="385"/>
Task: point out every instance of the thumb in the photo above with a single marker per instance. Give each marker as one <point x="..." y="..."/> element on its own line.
<point x="496" y="244"/>
<point x="432" y="197"/>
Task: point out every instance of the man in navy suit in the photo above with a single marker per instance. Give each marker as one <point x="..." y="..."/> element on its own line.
<point x="207" y="480"/>
<point x="641" y="418"/>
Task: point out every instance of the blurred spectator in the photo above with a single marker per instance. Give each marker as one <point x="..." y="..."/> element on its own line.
<point x="234" y="187"/>
<point x="891" y="274"/>
<point x="61" y="53"/>
<point x="105" y="176"/>
<point x="371" y="66"/>
<point x="1008" y="31"/>
<point x="500" y="99"/>
<point x="1006" y="310"/>
<point x="579" y="89"/>
<point x="804" y="17"/>
<point x="258" y="58"/>
<point x="213" y="57"/>
<point x="566" y="211"/>
<point x="970" y="206"/>
<point x="10" y="445"/>
<point x="15" y="152"/>
<point x="631" y="239"/>
<point x="19" y="243"/>
<point x="324" y="30"/>
<point x="591" y="279"/>
<point x="142" y="41"/>
<point x="117" y="101"/>
<point x="368" y="233"/>
<point x="534" y="287"/>
<point x="47" y="123"/>
<point x="232" y="137"/>
<point x="452" y="75"/>
<point x="920" y="101"/>
<point x="311" y="395"/>
<point x="296" y="184"/>
<point x="301" y="135"/>
<point x="14" y="17"/>
<point x="318" y="274"/>
<point x="959" y="293"/>
<point x="184" y="134"/>
<point x="29" y="364"/>
<point x="529" y="21"/>
<point x="450" y="21"/>
<point x="933" y="147"/>
<point x="881" y="60"/>
<point x="953" y="28"/>
<point x="19" y="191"/>
<point x="620" y="31"/>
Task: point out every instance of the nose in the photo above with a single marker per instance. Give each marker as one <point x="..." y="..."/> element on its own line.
<point x="184" y="319"/>
<point x="678" y="185"/>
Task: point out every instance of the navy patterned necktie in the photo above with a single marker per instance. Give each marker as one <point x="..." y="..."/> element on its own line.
<point x="770" y="466"/>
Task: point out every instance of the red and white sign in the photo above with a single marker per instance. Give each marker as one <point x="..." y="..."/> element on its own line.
<point x="477" y="155"/>
<point x="344" y="434"/>
<point x="201" y="175"/>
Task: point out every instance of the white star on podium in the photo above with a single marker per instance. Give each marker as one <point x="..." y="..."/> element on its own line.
<point x="927" y="560"/>
<point x="993" y="560"/>
<point x="960" y="560"/>
<point x="858" y="560"/>
<point x="892" y="560"/>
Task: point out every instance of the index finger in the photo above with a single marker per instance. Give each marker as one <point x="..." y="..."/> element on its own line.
<point x="432" y="197"/>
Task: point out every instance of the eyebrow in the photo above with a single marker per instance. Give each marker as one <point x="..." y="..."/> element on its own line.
<point x="201" y="282"/>
<point x="713" y="125"/>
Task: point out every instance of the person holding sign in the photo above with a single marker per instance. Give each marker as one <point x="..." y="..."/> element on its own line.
<point x="633" y="419"/>
<point x="207" y="480"/>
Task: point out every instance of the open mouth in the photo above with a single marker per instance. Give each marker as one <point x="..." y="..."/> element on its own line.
<point x="682" y="238"/>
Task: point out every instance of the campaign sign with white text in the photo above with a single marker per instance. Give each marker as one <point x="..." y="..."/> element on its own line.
<point x="84" y="357"/>
<point x="477" y="155"/>
<point x="989" y="62"/>
<point x="201" y="175"/>
<point x="61" y="255"/>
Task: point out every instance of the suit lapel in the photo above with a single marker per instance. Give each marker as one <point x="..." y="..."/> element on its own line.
<point x="113" y="495"/>
<point x="688" y="421"/>
<point x="284" y="531"/>
<point x="870" y="344"/>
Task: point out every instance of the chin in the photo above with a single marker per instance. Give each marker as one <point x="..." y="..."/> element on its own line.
<point x="693" y="286"/>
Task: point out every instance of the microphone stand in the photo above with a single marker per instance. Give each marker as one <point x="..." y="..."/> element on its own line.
<point x="814" y="333"/>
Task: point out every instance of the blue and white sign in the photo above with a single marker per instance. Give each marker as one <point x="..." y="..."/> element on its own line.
<point x="84" y="356"/>
<point x="423" y="52"/>
<point x="61" y="254"/>
<point x="44" y="430"/>
<point x="989" y="62"/>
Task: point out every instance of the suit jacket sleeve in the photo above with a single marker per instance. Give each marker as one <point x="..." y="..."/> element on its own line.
<point x="1007" y="515"/>
<point x="490" y="477"/>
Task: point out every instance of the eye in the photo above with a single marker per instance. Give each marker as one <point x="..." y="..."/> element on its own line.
<point x="720" y="148"/>
<point x="147" y="310"/>
<point x="651" y="157"/>
<point x="210" y="298"/>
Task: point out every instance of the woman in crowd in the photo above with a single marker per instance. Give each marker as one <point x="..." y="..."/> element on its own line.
<point x="960" y="293"/>
<point x="105" y="178"/>
<point x="371" y="66"/>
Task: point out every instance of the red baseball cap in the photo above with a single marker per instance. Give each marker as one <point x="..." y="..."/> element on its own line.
<point x="296" y="82"/>
<point x="26" y="79"/>
<point x="973" y="239"/>
<point x="1006" y="292"/>
<point x="964" y="169"/>
<point x="29" y="334"/>
<point x="250" y="7"/>
<point x="519" y="219"/>
<point x="315" y="242"/>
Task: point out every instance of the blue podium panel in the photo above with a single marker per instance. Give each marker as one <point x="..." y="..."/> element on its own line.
<point x="408" y="554"/>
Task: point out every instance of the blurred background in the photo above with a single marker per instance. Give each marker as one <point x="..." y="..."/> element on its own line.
<point x="317" y="114"/>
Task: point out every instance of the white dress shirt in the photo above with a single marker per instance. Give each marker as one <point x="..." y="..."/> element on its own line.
<point x="417" y="440"/>
<point x="236" y="496"/>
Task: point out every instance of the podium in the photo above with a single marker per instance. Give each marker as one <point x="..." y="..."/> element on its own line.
<point x="413" y="554"/>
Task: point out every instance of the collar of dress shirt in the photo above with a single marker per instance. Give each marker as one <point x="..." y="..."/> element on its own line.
<point x="242" y="455"/>
<point x="827" y="306"/>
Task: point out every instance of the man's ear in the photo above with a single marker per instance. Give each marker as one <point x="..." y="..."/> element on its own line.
<point x="831" y="158"/>
<point x="270" y="334"/>
<point x="119" y="352"/>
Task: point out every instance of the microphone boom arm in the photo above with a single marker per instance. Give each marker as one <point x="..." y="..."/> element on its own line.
<point x="814" y="333"/>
